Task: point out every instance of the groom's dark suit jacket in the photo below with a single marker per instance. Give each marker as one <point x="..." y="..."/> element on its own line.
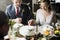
<point x="24" y="13"/>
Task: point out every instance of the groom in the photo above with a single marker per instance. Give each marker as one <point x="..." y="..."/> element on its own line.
<point x="19" y="10"/>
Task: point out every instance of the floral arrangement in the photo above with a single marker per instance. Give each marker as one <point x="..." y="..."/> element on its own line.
<point x="14" y="29"/>
<point x="11" y="23"/>
<point x="47" y="31"/>
<point x="57" y="30"/>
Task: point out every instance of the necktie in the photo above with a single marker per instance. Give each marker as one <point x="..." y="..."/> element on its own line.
<point x="17" y="11"/>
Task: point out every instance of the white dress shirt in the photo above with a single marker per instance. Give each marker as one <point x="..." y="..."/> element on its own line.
<point x="16" y="8"/>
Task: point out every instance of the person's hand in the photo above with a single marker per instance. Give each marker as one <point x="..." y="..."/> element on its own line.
<point x="18" y="20"/>
<point x="31" y="22"/>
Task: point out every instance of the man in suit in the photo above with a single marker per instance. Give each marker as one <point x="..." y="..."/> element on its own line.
<point x="19" y="10"/>
<point x="3" y="25"/>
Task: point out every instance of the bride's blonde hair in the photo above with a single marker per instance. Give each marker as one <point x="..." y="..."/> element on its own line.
<point x="47" y="2"/>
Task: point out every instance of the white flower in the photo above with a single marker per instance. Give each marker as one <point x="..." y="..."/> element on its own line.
<point x="43" y="39"/>
<point x="16" y="27"/>
<point x="57" y="25"/>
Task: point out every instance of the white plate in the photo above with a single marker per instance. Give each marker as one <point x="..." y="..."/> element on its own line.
<point x="27" y="30"/>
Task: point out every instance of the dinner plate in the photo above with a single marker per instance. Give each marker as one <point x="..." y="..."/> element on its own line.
<point x="27" y="30"/>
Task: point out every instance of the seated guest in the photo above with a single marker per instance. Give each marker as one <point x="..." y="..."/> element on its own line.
<point x="3" y="25"/>
<point x="17" y="9"/>
<point x="45" y="15"/>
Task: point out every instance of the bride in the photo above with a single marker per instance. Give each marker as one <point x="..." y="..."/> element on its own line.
<point x="45" y="15"/>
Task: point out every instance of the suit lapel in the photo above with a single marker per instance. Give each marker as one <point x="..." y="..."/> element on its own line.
<point x="13" y="10"/>
<point x="21" y="13"/>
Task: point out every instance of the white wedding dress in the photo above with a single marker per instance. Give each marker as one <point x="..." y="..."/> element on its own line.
<point x="40" y="18"/>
